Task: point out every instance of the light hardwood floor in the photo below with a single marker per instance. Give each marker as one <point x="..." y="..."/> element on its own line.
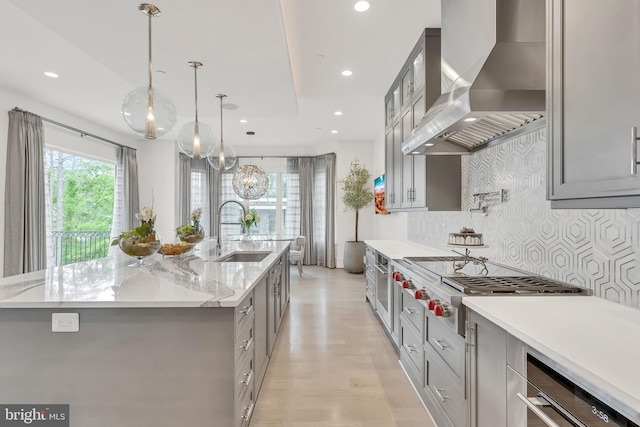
<point x="333" y="365"/>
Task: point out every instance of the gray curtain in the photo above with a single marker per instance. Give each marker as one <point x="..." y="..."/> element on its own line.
<point x="24" y="211"/>
<point x="126" y="199"/>
<point x="314" y="202"/>
<point x="214" y="189"/>
<point x="330" y="209"/>
<point x="184" y="192"/>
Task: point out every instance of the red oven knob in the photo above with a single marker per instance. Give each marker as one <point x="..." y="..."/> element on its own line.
<point x="421" y="294"/>
<point x="442" y="311"/>
<point x="431" y="304"/>
<point x="408" y="284"/>
<point x="438" y="310"/>
<point x="394" y="275"/>
<point x="399" y="277"/>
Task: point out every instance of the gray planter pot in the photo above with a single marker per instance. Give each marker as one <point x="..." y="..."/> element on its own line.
<point x="353" y="257"/>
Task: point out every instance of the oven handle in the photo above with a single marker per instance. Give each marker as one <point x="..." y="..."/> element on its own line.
<point x="377" y="266"/>
<point x="543" y="417"/>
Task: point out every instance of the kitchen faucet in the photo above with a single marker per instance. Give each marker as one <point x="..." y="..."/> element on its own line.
<point x="244" y="214"/>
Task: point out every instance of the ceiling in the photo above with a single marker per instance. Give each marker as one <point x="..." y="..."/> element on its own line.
<point x="279" y="61"/>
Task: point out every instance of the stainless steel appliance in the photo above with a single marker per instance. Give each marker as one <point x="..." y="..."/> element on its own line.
<point x="383" y="289"/>
<point x="446" y="280"/>
<point x="540" y="395"/>
<point x="493" y="75"/>
<point x="433" y="288"/>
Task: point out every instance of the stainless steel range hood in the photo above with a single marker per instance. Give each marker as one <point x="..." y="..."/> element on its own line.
<point x="493" y="75"/>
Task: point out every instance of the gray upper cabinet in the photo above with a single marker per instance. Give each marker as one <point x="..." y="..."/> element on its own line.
<point x="417" y="182"/>
<point x="592" y="97"/>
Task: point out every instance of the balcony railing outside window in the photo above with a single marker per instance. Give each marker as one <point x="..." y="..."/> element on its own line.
<point x="76" y="246"/>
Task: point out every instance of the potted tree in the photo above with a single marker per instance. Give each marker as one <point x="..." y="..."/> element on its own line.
<point x="356" y="195"/>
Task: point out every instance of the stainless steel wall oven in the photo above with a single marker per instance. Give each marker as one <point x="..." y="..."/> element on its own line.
<point x="540" y="395"/>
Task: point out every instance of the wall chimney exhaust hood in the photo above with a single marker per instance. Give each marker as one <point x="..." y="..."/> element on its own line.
<point x="492" y="79"/>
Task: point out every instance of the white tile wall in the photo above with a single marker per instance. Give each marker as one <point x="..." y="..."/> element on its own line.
<point x="594" y="248"/>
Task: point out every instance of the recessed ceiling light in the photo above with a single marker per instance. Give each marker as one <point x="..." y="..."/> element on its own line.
<point x="347" y="73"/>
<point x="470" y="119"/>
<point x="361" y="6"/>
<point x="51" y="74"/>
<point x="334" y="131"/>
<point x="243" y="121"/>
<point x="337" y="113"/>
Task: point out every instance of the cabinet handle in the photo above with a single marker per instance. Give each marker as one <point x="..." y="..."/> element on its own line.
<point x="409" y="348"/>
<point x="248" y="411"/>
<point x="248" y="377"/>
<point x="246" y="310"/>
<point x="438" y="392"/>
<point x="634" y="150"/>
<point x="408" y="310"/>
<point x="439" y="344"/>
<point x="543" y="417"/>
<point x="247" y="344"/>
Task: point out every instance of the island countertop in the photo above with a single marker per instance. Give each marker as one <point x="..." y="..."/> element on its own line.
<point x="194" y="279"/>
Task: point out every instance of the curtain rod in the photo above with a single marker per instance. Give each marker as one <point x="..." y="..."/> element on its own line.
<point x="284" y="157"/>
<point x="81" y="132"/>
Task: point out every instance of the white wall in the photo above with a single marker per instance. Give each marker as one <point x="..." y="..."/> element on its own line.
<point x="346" y="152"/>
<point x="10" y="99"/>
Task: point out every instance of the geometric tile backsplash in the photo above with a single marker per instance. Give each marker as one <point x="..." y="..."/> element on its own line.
<point x="597" y="249"/>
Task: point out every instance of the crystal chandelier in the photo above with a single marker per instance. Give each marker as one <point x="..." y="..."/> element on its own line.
<point x="223" y="157"/>
<point x="250" y="182"/>
<point x="196" y="139"/>
<point x="146" y="111"/>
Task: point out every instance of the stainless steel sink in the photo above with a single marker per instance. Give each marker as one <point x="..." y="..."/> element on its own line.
<point x="243" y="256"/>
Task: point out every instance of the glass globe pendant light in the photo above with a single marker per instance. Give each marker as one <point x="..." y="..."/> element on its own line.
<point x="223" y="157"/>
<point x="196" y="139"/>
<point x="250" y="182"/>
<point x="146" y="111"/>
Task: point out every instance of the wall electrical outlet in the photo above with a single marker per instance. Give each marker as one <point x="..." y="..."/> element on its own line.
<point x="65" y="322"/>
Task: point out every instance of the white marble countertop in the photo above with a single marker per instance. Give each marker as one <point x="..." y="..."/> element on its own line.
<point x="596" y="339"/>
<point x="395" y="249"/>
<point x="190" y="280"/>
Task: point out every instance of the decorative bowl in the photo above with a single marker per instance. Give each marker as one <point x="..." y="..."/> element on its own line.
<point x="193" y="238"/>
<point x="135" y="247"/>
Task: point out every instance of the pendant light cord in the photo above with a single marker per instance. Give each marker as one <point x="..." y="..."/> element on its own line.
<point x="195" y="78"/>
<point x="150" y="62"/>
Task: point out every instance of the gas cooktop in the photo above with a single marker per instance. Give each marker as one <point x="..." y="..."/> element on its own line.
<point x="478" y="276"/>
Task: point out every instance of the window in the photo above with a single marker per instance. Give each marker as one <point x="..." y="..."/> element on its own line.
<point x="79" y="192"/>
<point x="272" y="207"/>
<point x="200" y="194"/>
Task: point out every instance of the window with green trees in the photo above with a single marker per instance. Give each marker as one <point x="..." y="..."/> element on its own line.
<point x="80" y="194"/>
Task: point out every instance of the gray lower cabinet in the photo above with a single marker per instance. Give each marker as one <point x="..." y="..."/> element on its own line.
<point x="261" y="356"/>
<point x="487" y="379"/>
<point x="593" y="103"/>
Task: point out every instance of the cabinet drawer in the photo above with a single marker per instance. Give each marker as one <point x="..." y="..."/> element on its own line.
<point x="448" y="345"/>
<point x="411" y="346"/>
<point x="244" y="312"/>
<point x="413" y="311"/>
<point x="244" y="345"/>
<point x="441" y="384"/>
<point x="244" y="408"/>
<point x="245" y="377"/>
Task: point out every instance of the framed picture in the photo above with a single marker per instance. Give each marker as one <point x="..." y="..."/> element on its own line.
<point x="378" y="192"/>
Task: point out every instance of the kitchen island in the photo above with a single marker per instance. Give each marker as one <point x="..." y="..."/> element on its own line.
<point x="182" y="341"/>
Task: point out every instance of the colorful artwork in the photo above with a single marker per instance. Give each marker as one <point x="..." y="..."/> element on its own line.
<point x="378" y="191"/>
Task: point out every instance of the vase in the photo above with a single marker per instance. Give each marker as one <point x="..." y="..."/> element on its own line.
<point x="353" y="257"/>
<point x="247" y="236"/>
<point x="140" y="248"/>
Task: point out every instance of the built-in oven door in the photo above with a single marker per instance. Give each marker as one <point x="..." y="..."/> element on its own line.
<point x="383" y="293"/>
<point x="545" y="398"/>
